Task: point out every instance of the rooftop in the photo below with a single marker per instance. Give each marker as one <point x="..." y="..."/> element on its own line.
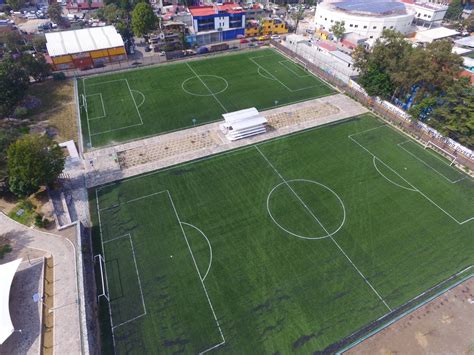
<point x="84" y="40"/>
<point x="229" y="7"/>
<point x="371" y="7"/>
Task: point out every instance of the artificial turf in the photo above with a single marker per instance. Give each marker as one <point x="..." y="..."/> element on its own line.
<point x="138" y="103"/>
<point x="277" y="282"/>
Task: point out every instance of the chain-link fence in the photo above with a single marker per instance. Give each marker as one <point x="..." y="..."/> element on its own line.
<point x="408" y="126"/>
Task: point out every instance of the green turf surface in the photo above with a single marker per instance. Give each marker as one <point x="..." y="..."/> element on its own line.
<point x="287" y="246"/>
<point x="139" y="103"/>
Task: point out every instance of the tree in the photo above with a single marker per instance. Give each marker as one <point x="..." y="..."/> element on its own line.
<point x="111" y="13"/>
<point x="453" y="116"/>
<point x="12" y="40"/>
<point x="36" y="66"/>
<point x="33" y="161"/>
<point x="55" y="12"/>
<point x="338" y="29"/>
<point x="376" y="82"/>
<point x="39" y="43"/>
<point x="455" y="9"/>
<point x="143" y="19"/>
<point x="469" y="23"/>
<point x="13" y="85"/>
<point x="16" y="4"/>
<point x="297" y="16"/>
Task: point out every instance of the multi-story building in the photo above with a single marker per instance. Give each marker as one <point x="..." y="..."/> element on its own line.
<point x="426" y="13"/>
<point x="265" y="27"/>
<point x="217" y="23"/>
<point x="367" y="18"/>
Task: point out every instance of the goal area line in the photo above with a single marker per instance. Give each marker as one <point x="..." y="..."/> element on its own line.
<point x="351" y="137"/>
<point x="180" y="223"/>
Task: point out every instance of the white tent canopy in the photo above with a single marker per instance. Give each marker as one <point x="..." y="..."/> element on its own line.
<point x="7" y="272"/>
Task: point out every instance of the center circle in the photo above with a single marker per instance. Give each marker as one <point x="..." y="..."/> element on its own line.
<point x="204" y="85"/>
<point x="321" y="209"/>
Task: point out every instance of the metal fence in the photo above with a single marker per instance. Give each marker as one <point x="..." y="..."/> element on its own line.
<point x="396" y="120"/>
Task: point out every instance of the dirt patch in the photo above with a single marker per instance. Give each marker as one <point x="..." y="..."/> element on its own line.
<point x="443" y="326"/>
<point x="57" y="109"/>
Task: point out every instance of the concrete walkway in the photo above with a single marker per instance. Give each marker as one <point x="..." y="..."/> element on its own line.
<point x="67" y="331"/>
<point x="129" y="159"/>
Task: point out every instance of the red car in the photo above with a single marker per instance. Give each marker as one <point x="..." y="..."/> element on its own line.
<point x="243" y="40"/>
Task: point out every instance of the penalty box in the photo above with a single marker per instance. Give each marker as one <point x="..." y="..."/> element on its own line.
<point x="148" y="259"/>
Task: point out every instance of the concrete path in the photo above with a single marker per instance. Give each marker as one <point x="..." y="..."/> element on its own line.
<point x="67" y="331"/>
<point x="129" y="159"/>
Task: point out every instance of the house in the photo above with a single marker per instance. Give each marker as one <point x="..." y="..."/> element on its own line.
<point x="217" y="23"/>
<point x="266" y="27"/>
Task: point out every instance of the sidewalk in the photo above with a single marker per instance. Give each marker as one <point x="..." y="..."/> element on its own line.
<point x="129" y="159"/>
<point x="67" y="332"/>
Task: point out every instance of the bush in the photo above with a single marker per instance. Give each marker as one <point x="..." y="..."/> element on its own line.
<point x="20" y="112"/>
<point x="41" y="222"/>
<point x="59" y="76"/>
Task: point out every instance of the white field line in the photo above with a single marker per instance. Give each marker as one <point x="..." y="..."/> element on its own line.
<point x="330" y="236"/>
<point x="104" y="82"/>
<point x="391" y="181"/>
<point x="288" y="68"/>
<point x="429" y="166"/>
<point x="418" y="190"/>
<point x="139" y="286"/>
<point x="275" y="78"/>
<point x="264" y="76"/>
<point x="228" y="152"/>
<point x="207" y="87"/>
<point x="189" y="248"/>
<point x="197" y="269"/>
<point x="134" y="102"/>
<point x="104" y="114"/>
<point x="209" y="245"/>
<point x="87" y="113"/>
<point x="132" y="200"/>
<point x="105" y="266"/>
<point x="142" y="95"/>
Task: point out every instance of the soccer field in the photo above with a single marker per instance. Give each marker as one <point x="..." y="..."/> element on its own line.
<point x="285" y="246"/>
<point x="139" y="103"/>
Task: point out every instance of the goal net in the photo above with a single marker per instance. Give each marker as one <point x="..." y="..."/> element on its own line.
<point x="103" y="284"/>
<point x="300" y="62"/>
<point x="433" y="146"/>
<point x="84" y="101"/>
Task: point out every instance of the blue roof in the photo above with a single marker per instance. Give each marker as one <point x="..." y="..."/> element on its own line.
<point x="372" y="7"/>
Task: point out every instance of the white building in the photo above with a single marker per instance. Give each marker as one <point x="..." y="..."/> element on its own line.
<point x="427" y="13"/>
<point x="367" y="18"/>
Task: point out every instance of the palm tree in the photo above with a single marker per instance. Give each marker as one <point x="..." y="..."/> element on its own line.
<point x="297" y="16"/>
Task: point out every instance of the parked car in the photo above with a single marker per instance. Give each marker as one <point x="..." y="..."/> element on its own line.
<point x="243" y="40"/>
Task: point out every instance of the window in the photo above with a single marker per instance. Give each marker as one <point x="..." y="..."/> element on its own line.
<point x="351" y="25"/>
<point x="391" y="27"/>
<point x="384" y="27"/>
<point x="374" y="28"/>
<point x="356" y="26"/>
<point x="325" y="19"/>
<point x="365" y="26"/>
<point x="371" y="36"/>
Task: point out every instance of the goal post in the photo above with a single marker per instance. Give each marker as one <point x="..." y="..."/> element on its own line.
<point x="84" y="101"/>
<point x="104" y="291"/>
<point x="302" y="63"/>
<point x="433" y="146"/>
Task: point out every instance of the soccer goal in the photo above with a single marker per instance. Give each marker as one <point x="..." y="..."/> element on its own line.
<point x="300" y="62"/>
<point x="104" y="291"/>
<point x="451" y="157"/>
<point x="84" y="101"/>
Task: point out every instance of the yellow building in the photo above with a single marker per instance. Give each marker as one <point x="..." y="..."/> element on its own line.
<point x="85" y="48"/>
<point x="266" y="27"/>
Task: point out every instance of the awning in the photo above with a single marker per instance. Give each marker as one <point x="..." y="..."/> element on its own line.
<point x="7" y="272"/>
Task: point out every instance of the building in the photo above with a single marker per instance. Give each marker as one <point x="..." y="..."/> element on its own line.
<point x="426" y="13"/>
<point x="435" y="34"/>
<point x="80" y="5"/>
<point x="85" y="48"/>
<point x="367" y="18"/>
<point x="170" y="38"/>
<point x="325" y="55"/>
<point x="217" y="23"/>
<point x="266" y="27"/>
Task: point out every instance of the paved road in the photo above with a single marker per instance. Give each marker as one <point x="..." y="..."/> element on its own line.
<point x="66" y="311"/>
